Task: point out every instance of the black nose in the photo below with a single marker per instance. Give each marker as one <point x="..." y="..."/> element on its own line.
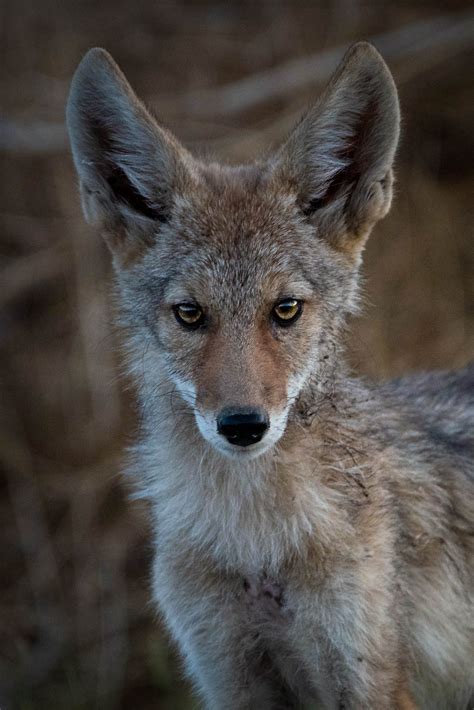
<point x="242" y="427"/>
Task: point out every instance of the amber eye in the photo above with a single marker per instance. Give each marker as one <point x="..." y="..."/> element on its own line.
<point x="287" y="312"/>
<point x="189" y="314"/>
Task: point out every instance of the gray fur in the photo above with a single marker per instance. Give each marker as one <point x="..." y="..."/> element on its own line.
<point x="331" y="566"/>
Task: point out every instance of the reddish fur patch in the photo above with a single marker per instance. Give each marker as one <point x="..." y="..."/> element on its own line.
<point x="242" y="376"/>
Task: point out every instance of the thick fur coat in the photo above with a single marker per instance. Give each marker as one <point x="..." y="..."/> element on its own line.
<point x="329" y="564"/>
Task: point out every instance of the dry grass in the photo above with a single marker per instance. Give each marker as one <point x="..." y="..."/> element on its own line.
<point x="76" y="628"/>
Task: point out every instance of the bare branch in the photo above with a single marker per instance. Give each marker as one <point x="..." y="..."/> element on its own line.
<point x="454" y="32"/>
<point x="423" y="44"/>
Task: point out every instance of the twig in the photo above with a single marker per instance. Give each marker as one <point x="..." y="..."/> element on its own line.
<point x="445" y="35"/>
<point x="455" y="31"/>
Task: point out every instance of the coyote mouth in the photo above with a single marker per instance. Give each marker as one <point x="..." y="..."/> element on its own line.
<point x="249" y="452"/>
<point x="235" y="451"/>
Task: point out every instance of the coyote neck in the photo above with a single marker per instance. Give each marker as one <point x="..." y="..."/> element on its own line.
<point x="263" y="512"/>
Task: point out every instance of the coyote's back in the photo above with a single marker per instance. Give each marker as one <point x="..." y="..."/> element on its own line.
<point x="313" y="533"/>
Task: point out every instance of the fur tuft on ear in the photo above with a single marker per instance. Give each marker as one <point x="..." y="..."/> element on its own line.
<point x="128" y="166"/>
<point x="339" y="158"/>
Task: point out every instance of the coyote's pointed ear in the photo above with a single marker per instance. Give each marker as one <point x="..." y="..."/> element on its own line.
<point x="128" y="166"/>
<point x="339" y="158"/>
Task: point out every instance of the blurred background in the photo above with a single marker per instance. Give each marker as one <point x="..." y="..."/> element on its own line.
<point x="76" y="626"/>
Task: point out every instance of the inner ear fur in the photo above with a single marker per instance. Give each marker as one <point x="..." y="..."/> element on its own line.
<point x="338" y="160"/>
<point x="129" y="167"/>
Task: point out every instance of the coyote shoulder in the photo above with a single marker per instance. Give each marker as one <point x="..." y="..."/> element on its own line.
<point x="313" y="533"/>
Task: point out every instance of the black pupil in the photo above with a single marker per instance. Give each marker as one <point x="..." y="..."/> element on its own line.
<point x="287" y="307"/>
<point x="190" y="311"/>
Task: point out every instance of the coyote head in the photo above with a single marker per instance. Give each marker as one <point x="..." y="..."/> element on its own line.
<point x="237" y="279"/>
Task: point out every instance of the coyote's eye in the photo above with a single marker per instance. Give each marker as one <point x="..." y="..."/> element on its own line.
<point x="287" y="312"/>
<point x="189" y="314"/>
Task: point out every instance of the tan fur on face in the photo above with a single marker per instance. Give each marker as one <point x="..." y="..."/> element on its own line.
<point x="243" y="374"/>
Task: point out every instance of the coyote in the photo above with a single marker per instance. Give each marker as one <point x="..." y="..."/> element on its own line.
<point x="313" y="533"/>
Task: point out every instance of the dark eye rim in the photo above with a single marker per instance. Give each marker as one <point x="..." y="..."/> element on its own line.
<point x="189" y="326"/>
<point x="281" y="322"/>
